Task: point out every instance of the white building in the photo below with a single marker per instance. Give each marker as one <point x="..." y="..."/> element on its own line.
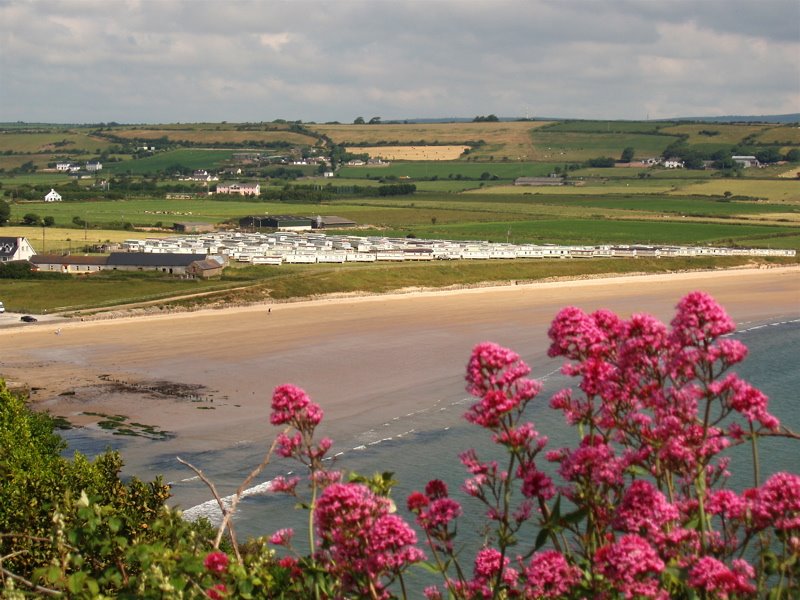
<point x="15" y="248"/>
<point x="745" y="161"/>
<point x="52" y="196"/>
<point x="94" y="166"/>
<point x="243" y="189"/>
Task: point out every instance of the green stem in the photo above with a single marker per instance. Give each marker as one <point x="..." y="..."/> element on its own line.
<point x="754" y="447"/>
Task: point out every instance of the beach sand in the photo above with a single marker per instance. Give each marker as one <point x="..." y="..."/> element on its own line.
<point x="207" y="376"/>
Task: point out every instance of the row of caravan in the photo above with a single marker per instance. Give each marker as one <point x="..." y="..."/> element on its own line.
<point x="490" y="252"/>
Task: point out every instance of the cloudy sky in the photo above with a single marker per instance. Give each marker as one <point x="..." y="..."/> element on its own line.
<point x="140" y="61"/>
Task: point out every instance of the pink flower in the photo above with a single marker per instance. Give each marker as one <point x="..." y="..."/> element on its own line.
<point x="631" y="566"/>
<point x="645" y="511"/>
<point x="714" y="577"/>
<point x="593" y="461"/>
<point x="287" y="402"/>
<point x="549" y="575"/>
<point x="216" y="562"/>
<point x="417" y="501"/>
<point x="700" y="319"/>
<point x="576" y="335"/>
<point x="216" y="592"/>
<point x="282" y="537"/>
<point x="439" y="514"/>
<point x="536" y="484"/>
<point x="487" y="567"/>
<point x="360" y="541"/>
<point x="497" y="376"/>
<point x="290" y="404"/>
<point x="282" y="485"/>
<point x="777" y="503"/>
<point x="726" y="503"/>
<point x="436" y="488"/>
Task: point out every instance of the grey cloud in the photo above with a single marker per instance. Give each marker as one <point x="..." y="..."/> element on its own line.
<point x="178" y="60"/>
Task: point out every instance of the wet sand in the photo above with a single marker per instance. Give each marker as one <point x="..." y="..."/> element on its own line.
<point x="207" y="376"/>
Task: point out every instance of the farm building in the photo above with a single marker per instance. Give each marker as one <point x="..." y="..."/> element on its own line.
<point x="205" y="269"/>
<point x="69" y="263"/>
<point x="538" y="181"/>
<point x="194" y="227"/>
<point x="745" y="161"/>
<point x="94" y="166"/>
<point x="243" y="189"/>
<point x="323" y="222"/>
<point x="52" y="196"/>
<point x="15" y="248"/>
<point x="285" y="222"/>
<point x="174" y="264"/>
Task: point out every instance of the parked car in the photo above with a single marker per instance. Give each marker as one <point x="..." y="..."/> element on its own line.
<point x="2" y="308"/>
<point x="28" y="319"/>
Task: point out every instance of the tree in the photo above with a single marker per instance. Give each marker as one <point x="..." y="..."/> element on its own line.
<point x="793" y="155"/>
<point x="375" y="121"/>
<point x="358" y="121"/>
<point x="768" y="155"/>
<point x="31" y="219"/>
<point x="5" y="212"/>
<point x="49" y="221"/>
<point x="627" y="155"/>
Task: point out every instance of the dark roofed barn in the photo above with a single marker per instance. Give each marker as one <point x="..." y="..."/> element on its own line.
<point x="175" y="264"/>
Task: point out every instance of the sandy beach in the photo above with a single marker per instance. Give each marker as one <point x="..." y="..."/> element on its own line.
<point x="207" y="376"/>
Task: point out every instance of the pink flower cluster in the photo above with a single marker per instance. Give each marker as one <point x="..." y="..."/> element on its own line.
<point x="496" y="375"/>
<point x="359" y="537"/>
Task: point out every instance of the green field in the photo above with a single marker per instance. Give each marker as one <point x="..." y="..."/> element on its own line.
<point x="600" y="231"/>
<point x="576" y="147"/>
<point x="63" y="141"/>
<point x="608" y="126"/>
<point x="451" y="170"/>
<point x="188" y="157"/>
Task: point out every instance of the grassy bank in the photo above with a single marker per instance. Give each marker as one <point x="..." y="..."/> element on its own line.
<point x="244" y="285"/>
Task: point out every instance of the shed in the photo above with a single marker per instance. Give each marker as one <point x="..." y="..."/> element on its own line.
<point x="330" y="221"/>
<point x="204" y="269"/>
<point x="194" y="227"/>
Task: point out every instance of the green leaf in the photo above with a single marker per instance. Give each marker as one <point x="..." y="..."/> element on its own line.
<point x="427" y="566"/>
<point x="576" y="516"/>
<point x="541" y="539"/>
<point x="75" y="582"/>
<point x="114" y="524"/>
<point x="53" y="574"/>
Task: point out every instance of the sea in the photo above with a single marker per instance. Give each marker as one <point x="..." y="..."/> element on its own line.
<point x="425" y="445"/>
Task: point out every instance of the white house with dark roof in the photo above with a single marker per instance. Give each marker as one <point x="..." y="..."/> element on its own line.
<point x="52" y="196"/>
<point x="15" y="248"/>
